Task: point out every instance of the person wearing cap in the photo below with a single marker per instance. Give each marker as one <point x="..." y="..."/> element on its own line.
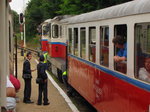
<point x="41" y="72"/>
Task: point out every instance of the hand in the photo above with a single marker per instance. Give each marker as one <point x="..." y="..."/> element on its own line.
<point x="119" y="59"/>
<point x="33" y="70"/>
<point x="116" y="58"/>
<point x="45" y="80"/>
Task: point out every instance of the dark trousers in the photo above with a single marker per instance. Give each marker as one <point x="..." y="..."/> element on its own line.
<point x="27" y="90"/>
<point x="42" y="89"/>
<point x="65" y="80"/>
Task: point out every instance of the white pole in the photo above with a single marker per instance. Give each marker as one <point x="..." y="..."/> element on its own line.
<point x="24" y="23"/>
<point x="24" y="33"/>
<point x="21" y="35"/>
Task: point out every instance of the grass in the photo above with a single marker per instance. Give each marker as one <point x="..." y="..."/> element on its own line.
<point x="34" y="43"/>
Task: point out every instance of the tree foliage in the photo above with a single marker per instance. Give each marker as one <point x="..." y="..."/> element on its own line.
<point x="15" y="17"/>
<point x="40" y="10"/>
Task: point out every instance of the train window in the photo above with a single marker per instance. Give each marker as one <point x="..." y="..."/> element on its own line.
<point x="92" y="44"/>
<point x="83" y="43"/>
<point x="60" y="31"/>
<point x="76" y="41"/>
<point x="9" y="37"/>
<point x="55" y="31"/>
<point x="70" y="40"/>
<point x="49" y="30"/>
<point x="121" y="49"/>
<point x="45" y="30"/>
<point x="142" y="51"/>
<point x="104" y="45"/>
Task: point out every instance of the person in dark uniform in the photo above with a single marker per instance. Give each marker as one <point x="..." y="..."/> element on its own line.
<point x="27" y="78"/>
<point x="41" y="71"/>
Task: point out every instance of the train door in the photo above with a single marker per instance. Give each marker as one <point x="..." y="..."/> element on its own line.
<point x="120" y="30"/>
<point x="104" y="46"/>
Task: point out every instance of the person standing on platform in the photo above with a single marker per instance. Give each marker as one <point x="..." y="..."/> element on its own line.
<point x="27" y="78"/>
<point x="42" y="76"/>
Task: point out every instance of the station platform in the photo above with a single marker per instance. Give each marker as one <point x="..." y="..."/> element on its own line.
<point x="57" y="102"/>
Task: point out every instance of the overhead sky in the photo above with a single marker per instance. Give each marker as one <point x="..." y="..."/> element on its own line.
<point x="18" y="5"/>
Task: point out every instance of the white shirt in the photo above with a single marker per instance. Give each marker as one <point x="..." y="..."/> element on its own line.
<point x="144" y="75"/>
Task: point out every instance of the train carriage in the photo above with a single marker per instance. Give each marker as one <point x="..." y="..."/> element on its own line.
<point x="56" y="45"/>
<point x="105" y="84"/>
<point x="110" y="86"/>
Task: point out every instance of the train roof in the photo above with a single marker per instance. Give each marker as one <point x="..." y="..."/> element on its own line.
<point x="48" y="20"/>
<point x="126" y="9"/>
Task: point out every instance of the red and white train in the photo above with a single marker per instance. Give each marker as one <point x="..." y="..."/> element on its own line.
<point x="82" y="44"/>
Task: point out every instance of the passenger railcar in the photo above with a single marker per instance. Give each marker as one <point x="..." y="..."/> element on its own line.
<point x="110" y="86"/>
<point x="57" y="45"/>
<point x="6" y="47"/>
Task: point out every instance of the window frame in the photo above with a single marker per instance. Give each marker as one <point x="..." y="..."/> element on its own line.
<point x="100" y="35"/>
<point x="115" y="50"/>
<point x="76" y="38"/>
<point x="70" y="48"/>
<point x="89" y="45"/>
<point x="83" y="28"/>
<point x="54" y="32"/>
<point x="138" y="40"/>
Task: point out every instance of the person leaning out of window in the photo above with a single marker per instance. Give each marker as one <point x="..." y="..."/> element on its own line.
<point x="121" y="44"/>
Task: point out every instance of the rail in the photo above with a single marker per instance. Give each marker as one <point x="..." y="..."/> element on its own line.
<point x="38" y="52"/>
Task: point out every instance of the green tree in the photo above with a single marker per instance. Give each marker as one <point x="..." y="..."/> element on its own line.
<point x="82" y="6"/>
<point x="15" y="17"/>
<point x="39" y="10"/>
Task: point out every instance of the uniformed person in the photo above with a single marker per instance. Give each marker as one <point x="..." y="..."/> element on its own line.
<point x="65" y="79"/>
<point x="27" y="78"/>
<point x="41" y="71"/>
<point x="45" y="59"/>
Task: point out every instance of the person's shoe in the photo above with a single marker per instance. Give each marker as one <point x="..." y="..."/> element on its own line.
<point x="38" y="103"/>
<point x="46" y="103"/>
<point x="29" y="102"/>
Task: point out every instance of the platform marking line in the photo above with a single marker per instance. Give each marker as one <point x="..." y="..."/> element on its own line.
<point x="67" y="99"/>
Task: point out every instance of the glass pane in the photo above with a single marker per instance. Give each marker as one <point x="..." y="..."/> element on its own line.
<point x="120" y="51"/>
<point x="142" y="52"/>
<point x="55" y="31"/>
<point x="148" y="40"/>
<point x="76" y="41"/>
<point x="92" y="44"/>
<point x="60" y="31"/>
<point x="83" y="43"/>
<point x="45" y="29"/>
<point x="70" y="39"/>
<point x="49" y="30"/>
<point x="104" y="46"/>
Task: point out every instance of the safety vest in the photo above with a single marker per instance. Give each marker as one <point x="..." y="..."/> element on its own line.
<point x="64" y="73"/>
<point x="45" y="57"/>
